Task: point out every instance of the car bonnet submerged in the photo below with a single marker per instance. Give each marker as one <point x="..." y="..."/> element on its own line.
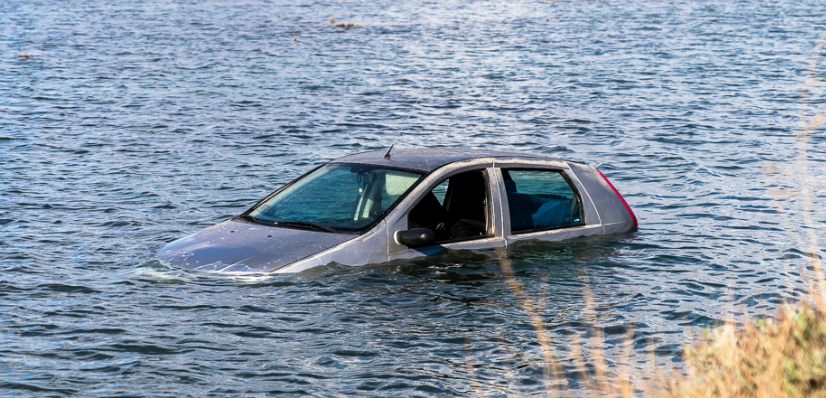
<point x="237" y="246"/>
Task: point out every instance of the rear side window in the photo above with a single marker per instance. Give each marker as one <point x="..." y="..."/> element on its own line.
<point x="540" y="200"/>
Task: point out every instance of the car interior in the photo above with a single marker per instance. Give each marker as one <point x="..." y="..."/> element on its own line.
<point x="455" y="210"/>
<point x="539" y="200"/>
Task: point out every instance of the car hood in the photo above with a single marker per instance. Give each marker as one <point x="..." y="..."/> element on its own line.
<point x="237" y="246"/>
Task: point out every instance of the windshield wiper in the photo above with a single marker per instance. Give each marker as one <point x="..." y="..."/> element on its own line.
<point x="306" y="225"/>
<point x="294" y="224"/>
<point x="248" y="217"/>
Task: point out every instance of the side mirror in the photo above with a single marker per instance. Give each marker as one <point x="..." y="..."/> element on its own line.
<point x="416" y="237"/>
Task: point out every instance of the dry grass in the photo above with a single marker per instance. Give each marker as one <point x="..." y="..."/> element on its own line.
<point x="784" y="356"/>
<point x="781" y="357"/>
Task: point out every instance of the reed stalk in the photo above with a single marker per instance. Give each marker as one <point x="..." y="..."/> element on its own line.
<point x="784" y="356"/>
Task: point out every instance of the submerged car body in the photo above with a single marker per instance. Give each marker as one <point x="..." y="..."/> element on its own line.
<point x="371" y="208"/>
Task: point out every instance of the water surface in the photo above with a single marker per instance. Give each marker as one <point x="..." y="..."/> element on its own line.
<point x="139" y="122"/>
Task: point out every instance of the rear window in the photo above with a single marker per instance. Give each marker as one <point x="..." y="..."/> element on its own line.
<point x="540" y="200"/>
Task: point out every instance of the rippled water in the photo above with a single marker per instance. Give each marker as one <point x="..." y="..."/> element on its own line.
<point x="138" y="122"/>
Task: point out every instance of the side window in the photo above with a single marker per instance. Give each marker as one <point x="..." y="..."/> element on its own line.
<point x="456" y="209"/>
<point x="441" y="191"/>
<point x="540" y="199"/>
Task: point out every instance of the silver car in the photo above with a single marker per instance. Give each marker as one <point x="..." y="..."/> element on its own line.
<point x="372" y="208"/>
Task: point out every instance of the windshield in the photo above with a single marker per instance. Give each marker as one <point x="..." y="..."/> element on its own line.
<point x="336" y="197"/>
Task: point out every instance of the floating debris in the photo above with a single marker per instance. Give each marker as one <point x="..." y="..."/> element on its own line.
<point x="295" y="38"/>
<point x="25" y="56"/>
<point x="343" y="25"/>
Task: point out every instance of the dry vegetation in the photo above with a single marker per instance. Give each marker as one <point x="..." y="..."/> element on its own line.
<point x="784" y="356"/>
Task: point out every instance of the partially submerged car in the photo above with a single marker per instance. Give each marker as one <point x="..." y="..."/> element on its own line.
<point x="372" y="208"/>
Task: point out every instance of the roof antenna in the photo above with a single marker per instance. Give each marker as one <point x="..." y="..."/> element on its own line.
<point x="387" y="155"/>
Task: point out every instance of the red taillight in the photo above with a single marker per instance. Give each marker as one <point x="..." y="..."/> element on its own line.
<point x="631" y="212"/>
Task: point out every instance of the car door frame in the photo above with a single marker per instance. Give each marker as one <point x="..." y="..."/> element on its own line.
<point x="590" y="214"/>
<point x="397" y="220"/>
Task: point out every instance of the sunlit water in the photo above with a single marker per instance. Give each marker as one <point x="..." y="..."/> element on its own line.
<point x="138" y="122"/>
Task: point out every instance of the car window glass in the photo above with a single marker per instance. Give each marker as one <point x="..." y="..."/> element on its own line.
<point x="344" y="197"/>
<point x="440" y="191"/>
<point x="540" y="199"/>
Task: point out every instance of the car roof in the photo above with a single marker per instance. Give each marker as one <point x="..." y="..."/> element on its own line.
<point x="428" y="159"/>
